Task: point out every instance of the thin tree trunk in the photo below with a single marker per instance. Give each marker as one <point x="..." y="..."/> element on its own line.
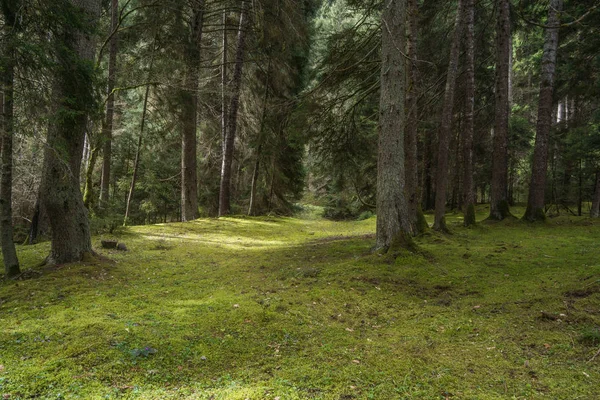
<point x="72" y="94"/>
<point x="537" y="189"/>
<point x="189" y="115"/>
<point x="88" y="190"/>
<point x="394" y="226"/>
<point x="138" y="150"/>
<point x="467" y="136"/>
<point x="595" y="210"/>
<point x="499" y="207"/>
<point x="9" y="253"/>
<point x="107" y="126"/>
<point x="417" y="218"/>
<point x="228" y="151"/>
<point x="441" y="184"/>
<point x="224" y="83"/>
<point x="251" y="207"/>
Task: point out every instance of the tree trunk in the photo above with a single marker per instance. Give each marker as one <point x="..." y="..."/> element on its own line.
<point x="417" y="219"/>
<point x="9" y="253"/>
<point x="224" y="83"/>
<point x="107" y="126"/>
<point x="441" y="183"/>
<point x="537" y="189"/>
<point x="189" y="115"/>
<point x="468" y="194"/>
<point x="394" y="226"/>
<point x="138" y="150"/>
<point x="88" y="190"/>
<point x="72" y="95"/>
<point x="252" y="206"/>
<point x="499" y="208"/>
<point x="236" y="85"/>
<point x="595" y="210"/>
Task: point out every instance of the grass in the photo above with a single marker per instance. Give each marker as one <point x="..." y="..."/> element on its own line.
<point x="267" y="308"/>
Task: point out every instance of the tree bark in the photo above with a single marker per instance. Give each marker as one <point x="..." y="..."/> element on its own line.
<point x="9" y="253"/>
<point x="468" y="194"/>
<point x="255" y="174"/>
<point x="499" y="207"/>
<point x="88" y="191"/>
<point x="236" y="84"/>
<point x="417" y="218"/>
<point x="394" y="227"/>
<point x="72" y="95"/>
<point x="441" y="184"/>
<point x="595" y="210"/>
<point x="189" y="116"/>
<point x="537" y="189"/>
<point x="224" y="83"/>
<point x="107" y="126"/>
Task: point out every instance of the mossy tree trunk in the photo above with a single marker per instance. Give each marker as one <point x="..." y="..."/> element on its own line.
<point x="467" y="136"/>
<point x="595" y="210"/>
<point x="394" y="226"/>
<point x="7" y="64"/>
<point x="236" y="85"/>
<point x="499" y="208"/>
<point x="536" y="202"/>
<point x="441" y="181"/>
<point x="73" y="99"/>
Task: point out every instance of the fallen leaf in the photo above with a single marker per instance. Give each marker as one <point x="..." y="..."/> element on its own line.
<point x="350" y="329"/>
<point x="1" y="367"/>
<point x="546" y="345"/>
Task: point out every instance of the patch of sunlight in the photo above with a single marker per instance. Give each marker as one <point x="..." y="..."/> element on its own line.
<point x="232" y="242"/>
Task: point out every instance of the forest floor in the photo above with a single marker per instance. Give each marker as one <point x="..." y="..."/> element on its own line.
<point x="299" y="308"/>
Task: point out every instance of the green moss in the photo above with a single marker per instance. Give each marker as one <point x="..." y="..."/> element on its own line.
<point x="422" y="225"/>
<point x="261" y="308"/>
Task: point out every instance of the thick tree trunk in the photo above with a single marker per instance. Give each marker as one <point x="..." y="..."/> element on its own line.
<point x="537" y="189"/>
<point x="417" y="218"/>
<point x="236" y="85"/>
<point x="107" y="126"/>
<point x="595" y="210"/>
<point x="468" y="194"/>
<point x="441" y="183"/>
<point x="394" y="226"/>
<point x="499" y="208"/>
<point x="9" y="253"/>
<point x="72" y="95"/>
<point x="189" y="115"/>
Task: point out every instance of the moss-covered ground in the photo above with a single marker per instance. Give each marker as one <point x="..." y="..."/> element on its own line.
<point x="299" y="308"/>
